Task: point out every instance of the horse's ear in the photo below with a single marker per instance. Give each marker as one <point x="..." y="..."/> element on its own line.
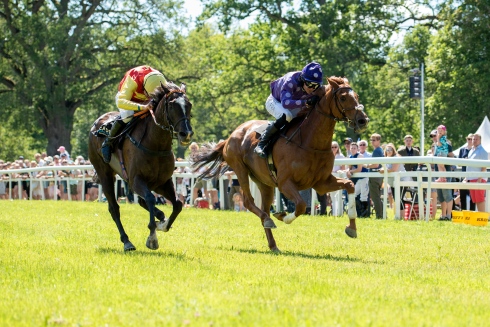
<point x="183" y="87"/>
<point x="333" y="83"/>
<point x="164" y="88"/>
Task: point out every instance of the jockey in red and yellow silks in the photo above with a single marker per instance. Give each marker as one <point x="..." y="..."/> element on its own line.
<point x="133" y="95"/>
<point x="134" y="89"/>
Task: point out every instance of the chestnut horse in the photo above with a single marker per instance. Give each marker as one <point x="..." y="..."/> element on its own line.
<point x="147" y="156"/>
<point x="302" y="156"/>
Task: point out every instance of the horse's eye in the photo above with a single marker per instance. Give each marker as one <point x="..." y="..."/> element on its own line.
<point x="342" y="98"/>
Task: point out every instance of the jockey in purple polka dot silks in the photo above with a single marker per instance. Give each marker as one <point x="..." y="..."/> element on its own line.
<point x="289" y="94"/>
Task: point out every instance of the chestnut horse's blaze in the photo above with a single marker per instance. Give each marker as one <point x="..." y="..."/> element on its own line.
<point x="149" y="160"/>
<point x="303" y="156"/>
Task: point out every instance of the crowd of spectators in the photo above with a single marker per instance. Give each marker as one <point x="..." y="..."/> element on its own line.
<point x="77" y="184"/>
<point x="69" y="183"/>
<point x="448" y="199"/>
<point x="205" y="194"/>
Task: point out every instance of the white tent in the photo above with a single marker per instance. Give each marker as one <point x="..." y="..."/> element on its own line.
<point x="484" y="131"/>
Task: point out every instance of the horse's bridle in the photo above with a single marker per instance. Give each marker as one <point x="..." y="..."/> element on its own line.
<point x="168" y="124"/>
<point x="339" y="107"/>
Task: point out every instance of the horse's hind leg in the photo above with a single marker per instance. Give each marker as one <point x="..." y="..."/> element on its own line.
<point x="168" y="191"/>
<point x="141" y="189"/>
<point x="107" y="182"/>
<point x="267" y="193"/>
<point x="241" y="172"/>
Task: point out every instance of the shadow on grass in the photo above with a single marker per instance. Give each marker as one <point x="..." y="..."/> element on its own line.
<point x="143" y="253"/>
<point x="299" y="255"/>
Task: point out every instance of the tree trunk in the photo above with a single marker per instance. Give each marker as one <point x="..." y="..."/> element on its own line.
<point x="57" y="129"/>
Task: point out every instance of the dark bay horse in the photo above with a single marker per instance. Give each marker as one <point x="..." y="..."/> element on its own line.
<point x="302" y="156"/>
<point x="147" y="155"/>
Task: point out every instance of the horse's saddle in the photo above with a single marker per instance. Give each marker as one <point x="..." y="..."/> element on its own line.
<point x="260" y="129"/>
<point x="104" y="130"/>
<point x="106" y="126"/>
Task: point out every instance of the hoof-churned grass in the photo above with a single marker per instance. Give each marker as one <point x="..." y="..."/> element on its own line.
<point x="62" y="264"/>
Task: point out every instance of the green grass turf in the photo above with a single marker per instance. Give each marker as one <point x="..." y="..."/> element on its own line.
<point x="62" y="264"/>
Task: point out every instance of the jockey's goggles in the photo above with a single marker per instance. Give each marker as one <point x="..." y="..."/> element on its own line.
<point x="312" y="85"/>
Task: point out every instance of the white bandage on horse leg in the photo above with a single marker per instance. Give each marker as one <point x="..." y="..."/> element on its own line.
<point x="351" y="207"/>
<point x="162" y="226"/>
<point x="289" y="218"/>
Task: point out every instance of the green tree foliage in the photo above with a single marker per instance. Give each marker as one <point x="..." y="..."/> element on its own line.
<point x="393" y="114"/>
<point x="459" y="67"/>
<point x="56" y="56"/>
<point x="61" y="61"/>
<point x="349" y="38"/>
<point x="229" y="78"/>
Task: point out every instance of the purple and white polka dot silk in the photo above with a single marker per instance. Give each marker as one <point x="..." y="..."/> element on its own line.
<point x="287" y="91"/>
<point x="313" y="73"/>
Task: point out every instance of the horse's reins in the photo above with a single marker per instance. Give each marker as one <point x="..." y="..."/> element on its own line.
<point x="342" y="111"/>
<point x="339" y="107"/>
<point x="170" y="127"/>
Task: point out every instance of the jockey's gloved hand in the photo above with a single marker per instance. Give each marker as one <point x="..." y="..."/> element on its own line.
<point x="313" y="100"/>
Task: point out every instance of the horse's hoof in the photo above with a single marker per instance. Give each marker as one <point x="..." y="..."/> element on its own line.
<point x="269" y="224"/>
<point x="162" y="226"/>
<point x="276" y="250"/>
<point x="152" y="243"/>
<point x="280" y="215"/>
<point x="128" y="246"/>
<point x="351" y="232"/>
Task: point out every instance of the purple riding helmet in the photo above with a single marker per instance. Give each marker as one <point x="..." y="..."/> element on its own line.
<point x="313" y="73"/>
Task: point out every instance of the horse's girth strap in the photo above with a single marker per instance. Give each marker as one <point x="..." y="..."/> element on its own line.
<point x="164" y="153"/>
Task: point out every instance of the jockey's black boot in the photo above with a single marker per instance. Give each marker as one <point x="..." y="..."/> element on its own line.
<point x="107" y="145"/>
<point x="269" y="133"/>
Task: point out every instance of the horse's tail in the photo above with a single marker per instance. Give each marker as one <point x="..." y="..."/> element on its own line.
<point x="212" y="159"/>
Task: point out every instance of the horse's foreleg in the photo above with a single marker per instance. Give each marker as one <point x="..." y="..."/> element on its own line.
<point x="335" y="184"/>
<point x="158" y="213"/>
<point x="168" y="191"/>
<point x="141" y="189"/>
<point x="107" y="183"/>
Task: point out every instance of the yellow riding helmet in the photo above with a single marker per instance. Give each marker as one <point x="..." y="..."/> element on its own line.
<point x="152" y="81"/>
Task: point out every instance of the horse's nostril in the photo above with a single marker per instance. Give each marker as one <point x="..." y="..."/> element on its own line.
<point x="362" y="122"/>
<point x="182" y="134"/>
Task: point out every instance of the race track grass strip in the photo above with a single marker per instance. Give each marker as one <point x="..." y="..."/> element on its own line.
<point x="62" y="264"/>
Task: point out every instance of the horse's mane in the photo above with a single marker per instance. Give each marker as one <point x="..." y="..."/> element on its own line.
<point x="339" y="80"/>
<point x="321" y="91"/>
<point x="159" y="92"/>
